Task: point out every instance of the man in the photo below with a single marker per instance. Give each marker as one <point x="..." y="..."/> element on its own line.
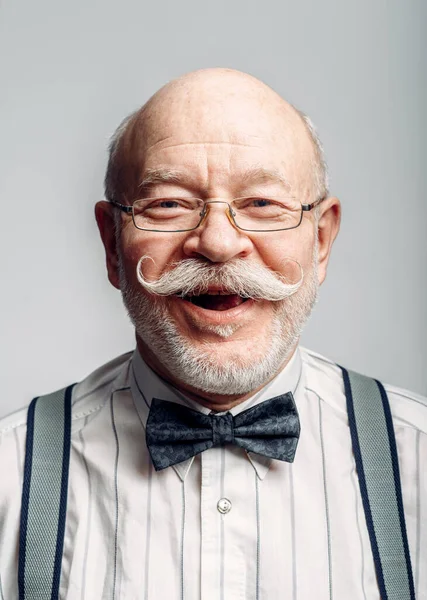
<point x="217" y="229"/>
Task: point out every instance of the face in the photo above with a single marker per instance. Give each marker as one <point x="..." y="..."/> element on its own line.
<point x="222" y="345"/>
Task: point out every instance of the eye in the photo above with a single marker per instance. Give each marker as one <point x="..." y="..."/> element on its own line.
<point x="180" y="211"/>
<point x="260" y="202"/>
<point x="160" y="205"/>
<point x="168" y="203"/>
<point x="280" y="203"/>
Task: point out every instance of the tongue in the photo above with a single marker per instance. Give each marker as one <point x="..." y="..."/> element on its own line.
<point x="218" y="302"/>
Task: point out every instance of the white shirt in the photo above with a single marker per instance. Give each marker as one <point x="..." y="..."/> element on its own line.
<point x="293" y="531"/>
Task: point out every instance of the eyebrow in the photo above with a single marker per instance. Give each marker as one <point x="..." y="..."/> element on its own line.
<point x="260" y="174"/>
<point x="161" y="175"/>
<point x="253" y="175"/>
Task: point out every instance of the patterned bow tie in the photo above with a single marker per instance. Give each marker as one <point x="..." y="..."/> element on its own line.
<point x="175" y="433"/>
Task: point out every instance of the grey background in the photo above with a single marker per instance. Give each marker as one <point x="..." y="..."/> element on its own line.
<point x="70" y="71"/>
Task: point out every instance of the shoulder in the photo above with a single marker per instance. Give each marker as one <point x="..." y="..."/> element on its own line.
<point x="409" y="409"/>
<point x="88" y="397"/>
<point x="323" y="377"/>
<point x="87" y="394"/>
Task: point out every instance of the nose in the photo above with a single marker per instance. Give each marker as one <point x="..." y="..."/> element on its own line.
<point x="217" y="238"/>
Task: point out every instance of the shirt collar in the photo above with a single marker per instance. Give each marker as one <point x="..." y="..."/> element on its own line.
<point x="145" y="385"/>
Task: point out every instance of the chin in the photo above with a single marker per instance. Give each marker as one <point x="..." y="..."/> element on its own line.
<point x="224" y="361"/>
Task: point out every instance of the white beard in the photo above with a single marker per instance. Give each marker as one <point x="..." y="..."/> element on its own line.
<point x="204" y="369"/>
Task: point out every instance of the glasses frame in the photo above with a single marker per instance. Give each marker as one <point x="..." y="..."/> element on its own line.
<point x="230" y="214"/>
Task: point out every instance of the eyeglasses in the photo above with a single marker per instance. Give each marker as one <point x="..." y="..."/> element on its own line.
<point x="256" y="214"/>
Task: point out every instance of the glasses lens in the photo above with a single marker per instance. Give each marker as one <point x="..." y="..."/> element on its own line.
<point x="267" y="213"/>
<point x="167" y="214"/>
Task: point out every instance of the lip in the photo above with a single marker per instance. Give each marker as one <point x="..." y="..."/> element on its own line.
<point x="216" y="317"/>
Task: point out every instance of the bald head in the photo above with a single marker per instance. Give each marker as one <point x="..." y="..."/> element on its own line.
<point x="215" y="107"/>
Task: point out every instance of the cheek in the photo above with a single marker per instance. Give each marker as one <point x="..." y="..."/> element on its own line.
<point x="162" y="251"/>
<point x="294" y="244"/>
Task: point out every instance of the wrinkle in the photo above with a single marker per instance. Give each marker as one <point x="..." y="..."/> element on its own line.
<point x="205" y="144"/>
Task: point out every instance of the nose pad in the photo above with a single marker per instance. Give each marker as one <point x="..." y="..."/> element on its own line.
<point x="229" y="211"/>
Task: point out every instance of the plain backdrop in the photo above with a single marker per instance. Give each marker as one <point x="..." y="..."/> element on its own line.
<point x="69" y="73"/>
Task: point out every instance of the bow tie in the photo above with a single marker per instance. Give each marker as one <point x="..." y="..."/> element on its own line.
<point x="175" y="433"/>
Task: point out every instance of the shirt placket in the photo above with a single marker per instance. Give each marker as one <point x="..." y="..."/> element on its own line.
<point x="210" y="524"/>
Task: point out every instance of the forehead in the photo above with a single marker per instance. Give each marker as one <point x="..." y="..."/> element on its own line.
<point x="217" y="132"/>
<point x="210" y="115"/>
<point x="229" y="145"/>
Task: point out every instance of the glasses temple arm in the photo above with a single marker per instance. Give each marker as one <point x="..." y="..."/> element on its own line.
<point x="123" y="207"/>
<point x="307" y="207"/>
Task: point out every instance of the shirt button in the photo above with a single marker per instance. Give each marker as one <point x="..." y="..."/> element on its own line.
<point x="224" y="506"/>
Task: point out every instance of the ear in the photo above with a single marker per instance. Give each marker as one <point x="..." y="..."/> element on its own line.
<point x="105" y="219"/>
<point x="328" y="227"/>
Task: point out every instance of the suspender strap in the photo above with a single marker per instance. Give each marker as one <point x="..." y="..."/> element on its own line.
<point x="375" y="452"/>
<point x="44" y="496"/>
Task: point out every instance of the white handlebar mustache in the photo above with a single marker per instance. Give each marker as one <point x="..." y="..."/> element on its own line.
<point x="245" y="278"/>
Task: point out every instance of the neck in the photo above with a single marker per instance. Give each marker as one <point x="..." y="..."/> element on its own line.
<point x="214" y="402"/>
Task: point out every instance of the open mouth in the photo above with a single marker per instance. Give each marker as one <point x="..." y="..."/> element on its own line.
<point x="215" y="300"/>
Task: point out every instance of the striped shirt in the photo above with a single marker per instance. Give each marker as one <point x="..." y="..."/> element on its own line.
<point x="225" y="525"/>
